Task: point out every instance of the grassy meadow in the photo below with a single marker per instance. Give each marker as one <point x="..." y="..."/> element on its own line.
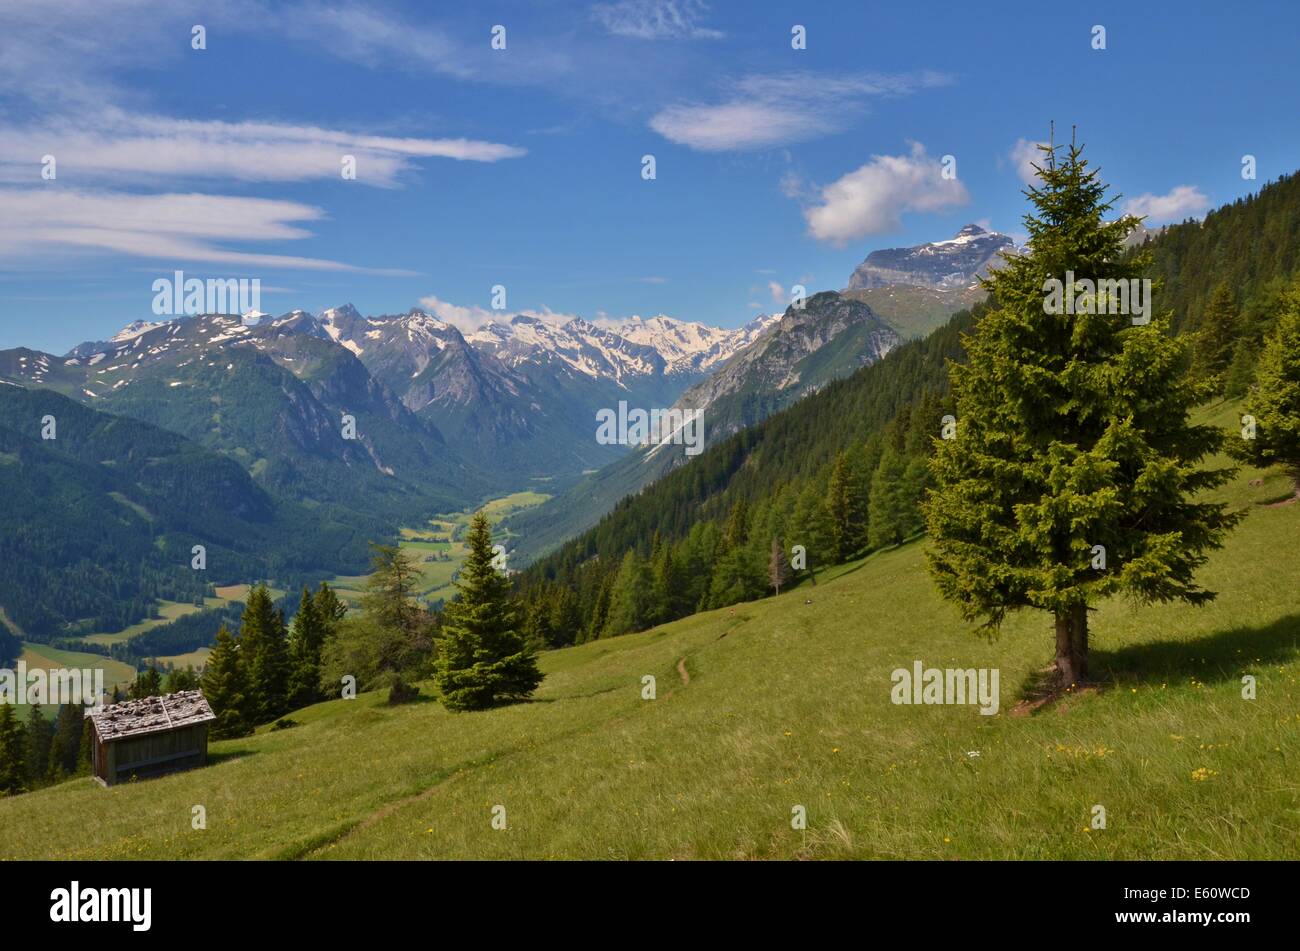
<point x="778" y="704"/>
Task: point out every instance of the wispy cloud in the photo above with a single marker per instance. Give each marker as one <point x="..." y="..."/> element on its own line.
<point x="167" y="228"/>
<point x="656" y="19"/>
<point x="1184" y="201"/>
<point x="74" y="51"/>
<point x="117" y="145"/>
<point x="124" y="147"/>
<point x="765" y="111"/>
<point x="872" y="198"/>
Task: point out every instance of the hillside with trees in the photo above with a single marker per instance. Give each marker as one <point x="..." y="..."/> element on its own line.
<point x="845" y="471"/>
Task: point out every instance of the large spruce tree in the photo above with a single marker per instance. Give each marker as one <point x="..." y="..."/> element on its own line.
<point x="1072" y="432"/>
<point x="483" y="660"/>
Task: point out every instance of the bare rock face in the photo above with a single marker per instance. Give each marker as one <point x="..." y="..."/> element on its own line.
<point x="957" y="262"/>
<point x="829" y="337"/>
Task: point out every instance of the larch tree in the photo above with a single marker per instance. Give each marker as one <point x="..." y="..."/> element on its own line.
<point x="778" y="566"/>
<point x="1075" y="473"/>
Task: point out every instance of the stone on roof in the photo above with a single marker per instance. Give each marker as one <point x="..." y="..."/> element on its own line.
<point x="151" y="715"/>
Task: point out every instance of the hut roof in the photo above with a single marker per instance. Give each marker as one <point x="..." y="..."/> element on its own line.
<point x="151" y="715"/>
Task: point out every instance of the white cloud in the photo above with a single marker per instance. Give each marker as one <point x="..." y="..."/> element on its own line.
<point x="463" y="318"/>
<point x="765" y="111"/>
<point x="167" y="228"/>
<point x="655" y="19"/>
<point x="124" y="147"/>
<point x="871" y="199"/>
<point x="473" y="317"/>
<point x="1024" y="155"/>
<point x="777" y="292"/>
<point x="1184" y="201"/>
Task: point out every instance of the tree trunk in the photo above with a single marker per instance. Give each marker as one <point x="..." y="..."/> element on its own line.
<point x="1072" y="645"/>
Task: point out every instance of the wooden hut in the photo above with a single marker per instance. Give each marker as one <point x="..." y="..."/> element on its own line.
<point x="150" y="737"/>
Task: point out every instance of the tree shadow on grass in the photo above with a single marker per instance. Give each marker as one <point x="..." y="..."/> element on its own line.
<point x="1223" y="655"/>
<point x="1215" y="658"/>
<point x="226" y="755"/>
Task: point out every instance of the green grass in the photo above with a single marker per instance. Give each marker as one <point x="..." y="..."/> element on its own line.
<point x="788" y="704"/>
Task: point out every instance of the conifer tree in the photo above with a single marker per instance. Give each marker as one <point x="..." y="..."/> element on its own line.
<point x="632" y="604"/>
<point x="67" y="739"/>
<point x="737" y="530"/>
<point x="600" y="608"/>
<point x="85" y="753"/>
<point x="225" y="687"/>
<point x="330" y="609"/>
<point x="536" y="624"/>
<point x="1219" y="333"/>
<point x="148" y="683"/>
<point x="670" y="585"/>
<point x="1240" y="374"/>
<point x="813" y="528"/>
<point x="13" y="752"/>
<point x="264" y="654"/>
<point x="1275" y="401"/>
<point x="889" y="522"/>
<point x="39" y="739"/>
<point x="565" y="619"/>
<point x="179" y="679"/>
<point x="306" y="640"/>
<point x="1072" y="432"/>
<point x="738" y="576"/>
<point x="846" y="504"/>
<point x="390" y="589"/>
<point x="778" y="566"/>
<point x="483" y="660"/>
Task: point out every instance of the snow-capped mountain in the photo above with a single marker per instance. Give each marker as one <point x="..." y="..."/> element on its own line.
<point x="576" y="346"/>
<point x="788" y="357"/>
<point x="956" y="262"/>
<point x="520" y="394"/>
<point x="691" y="347"/>
<point x="274" y="397"/>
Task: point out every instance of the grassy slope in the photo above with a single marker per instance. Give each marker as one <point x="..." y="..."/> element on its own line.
<point x="787" y="704"/>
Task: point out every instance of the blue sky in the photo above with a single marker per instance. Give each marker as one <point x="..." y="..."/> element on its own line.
<point x="523" y="167"/>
